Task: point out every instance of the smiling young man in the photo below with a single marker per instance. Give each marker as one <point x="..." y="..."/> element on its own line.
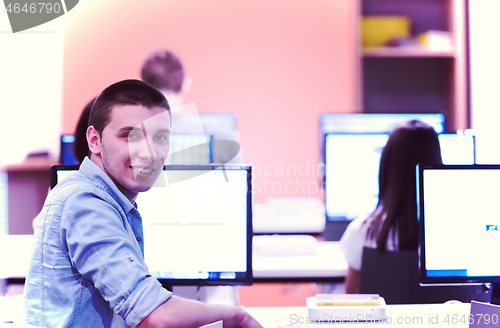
<point x="87" y="268"/>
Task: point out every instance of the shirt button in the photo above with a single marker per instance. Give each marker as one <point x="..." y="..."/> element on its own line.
<point x="139" y="238"/>
<point x="133" y="210"/>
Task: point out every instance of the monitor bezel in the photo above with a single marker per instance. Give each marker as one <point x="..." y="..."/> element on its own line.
<point x="424" y="278"/>
<point x="371" y="123"/>
<point x="247" y="279"/>
<point x="60" y="167"/>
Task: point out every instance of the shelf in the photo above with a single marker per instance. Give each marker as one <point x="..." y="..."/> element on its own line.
<point x="403" y="52"/>
<point x="413" y="76"/>
<point x="31" y="165"/>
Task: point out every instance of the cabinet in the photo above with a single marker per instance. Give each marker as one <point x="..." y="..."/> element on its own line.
<point x="415" y="79"/>
<point x="27" y="186"/>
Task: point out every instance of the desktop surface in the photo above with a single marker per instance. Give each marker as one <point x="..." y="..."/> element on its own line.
<point x="415" y="315"/>
<point x="283" y="258"/>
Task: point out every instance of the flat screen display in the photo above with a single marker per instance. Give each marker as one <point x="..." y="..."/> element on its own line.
<point x="67" y="155"/>
<point x="352" y="167"/>
<point x="189" y="149"/>
<point x="198" y="227"/>
<point x="459" y="223"/>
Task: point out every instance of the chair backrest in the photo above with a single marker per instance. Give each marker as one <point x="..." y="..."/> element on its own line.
<point x="395" y="276"/>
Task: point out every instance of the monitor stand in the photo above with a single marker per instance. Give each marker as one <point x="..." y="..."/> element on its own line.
<point x="223" y="295"/>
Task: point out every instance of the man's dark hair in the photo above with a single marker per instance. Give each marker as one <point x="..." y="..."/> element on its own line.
<point x="163" y="69"/>
<point x="127" y="92"/>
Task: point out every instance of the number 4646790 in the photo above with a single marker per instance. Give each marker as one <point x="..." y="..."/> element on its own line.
<point x="485" y="319"/>
<point x="34" y="8"/>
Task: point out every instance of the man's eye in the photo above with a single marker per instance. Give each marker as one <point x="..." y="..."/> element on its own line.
<point x="132" y="136"/>
<point x="160" y="138"/>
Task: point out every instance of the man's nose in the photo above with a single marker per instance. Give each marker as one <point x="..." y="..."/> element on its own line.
<point x="147" y="150"/>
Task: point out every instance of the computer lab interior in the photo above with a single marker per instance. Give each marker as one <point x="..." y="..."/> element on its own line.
<point x="310" y="90"/>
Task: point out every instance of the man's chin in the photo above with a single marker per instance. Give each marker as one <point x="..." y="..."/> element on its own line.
<point x="153" y="181"/>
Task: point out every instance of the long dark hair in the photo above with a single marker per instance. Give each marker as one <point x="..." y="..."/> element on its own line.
<point x="411" y="143"/>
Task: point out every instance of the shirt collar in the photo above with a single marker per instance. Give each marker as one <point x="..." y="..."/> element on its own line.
<point x="103" y="181"/>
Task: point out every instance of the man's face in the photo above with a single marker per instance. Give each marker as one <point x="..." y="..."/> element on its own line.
<point x="134" y="146"/>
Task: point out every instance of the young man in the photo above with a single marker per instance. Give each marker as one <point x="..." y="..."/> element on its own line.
<point x="88" y="268"/>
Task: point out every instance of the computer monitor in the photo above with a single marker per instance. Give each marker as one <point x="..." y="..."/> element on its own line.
<point x="220" y="125"/>
<point x="59" y="172"/>
<point x="189" y="149"/>
<point x="374" y="122"/>
<point x="370" y="123"/>
<point x="66" y="155"/>
<point x="352" y="167"/>
<point x="198" y="229"/>
<point x="459" y="221"/>
<point x="197" y="223"/>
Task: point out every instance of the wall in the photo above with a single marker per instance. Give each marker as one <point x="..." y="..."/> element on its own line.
<point x="276" y="64"/>
<point x="30" y="89"/>
<point x="484" y="78"/>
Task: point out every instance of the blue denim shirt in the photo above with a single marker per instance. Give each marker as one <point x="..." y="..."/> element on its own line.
<point x="88" y="268"/>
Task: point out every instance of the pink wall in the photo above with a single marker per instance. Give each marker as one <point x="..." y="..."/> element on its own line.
<point x="276" y="64"/>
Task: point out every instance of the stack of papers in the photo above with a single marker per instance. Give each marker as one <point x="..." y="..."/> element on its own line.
<point x="347" y="299"/>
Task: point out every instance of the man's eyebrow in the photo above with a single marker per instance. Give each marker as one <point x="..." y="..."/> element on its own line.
<point x="128" y="129"/>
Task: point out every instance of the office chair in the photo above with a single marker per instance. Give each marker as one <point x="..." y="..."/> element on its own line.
<point x="395" y="276"/>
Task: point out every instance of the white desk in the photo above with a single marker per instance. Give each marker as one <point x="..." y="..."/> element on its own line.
<point x="15" y="255"/>
<point x="324" y="262"/>
<point x="407" y="316"/>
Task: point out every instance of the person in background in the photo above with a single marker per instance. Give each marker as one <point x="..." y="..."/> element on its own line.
<point x="393" y="224"/>
<point x="87" y="268"/>
<point x="80" y="146"/>
<point x="164" y="70"/>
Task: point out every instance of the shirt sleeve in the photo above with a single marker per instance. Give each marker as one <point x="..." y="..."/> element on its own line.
<point x="353" y="241"/>
<point x="104" y="251"/>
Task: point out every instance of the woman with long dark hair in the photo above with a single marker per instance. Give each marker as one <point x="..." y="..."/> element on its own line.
<point x="393" y="223"/>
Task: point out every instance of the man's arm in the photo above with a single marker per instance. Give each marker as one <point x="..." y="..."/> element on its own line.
<point x="179" y="313"/>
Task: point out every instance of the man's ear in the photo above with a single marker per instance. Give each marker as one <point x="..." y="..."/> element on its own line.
<point x="93" y="140"/>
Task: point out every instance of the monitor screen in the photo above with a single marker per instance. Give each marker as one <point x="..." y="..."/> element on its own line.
<point x="459" y="221"/>
<point x="197" y="223"/>
<point x="59" y="172"/>
<point x="365" y="123"/>
<point x="352" y="165"/>
<point x="198" y="228"/>
<point x="67" y="155"/>
<point x="222" y="126"/>
<point x="189" y="149"/>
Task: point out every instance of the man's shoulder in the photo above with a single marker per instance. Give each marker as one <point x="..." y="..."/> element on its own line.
<point x="76" y="186"/>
